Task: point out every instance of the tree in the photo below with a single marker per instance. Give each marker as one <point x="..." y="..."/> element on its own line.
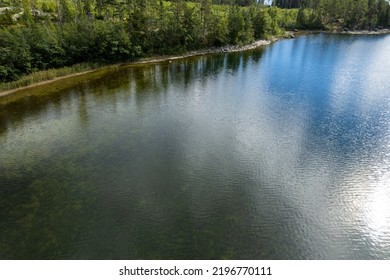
<point x="289" y="4"/>
<point x="27" y="15"/>
<point x="240" y="27"/>
<point x="15" y="57"/>
<point x="262" y="24"/>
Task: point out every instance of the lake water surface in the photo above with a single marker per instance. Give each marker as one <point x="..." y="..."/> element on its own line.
<point x="277" y="153"/>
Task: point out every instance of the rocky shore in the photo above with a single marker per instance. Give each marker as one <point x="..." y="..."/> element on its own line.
<point x="375" y="31"/>
<point x="212" y="50"/>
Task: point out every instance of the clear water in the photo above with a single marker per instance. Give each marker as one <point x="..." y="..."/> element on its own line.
<point x="278" y="153"/>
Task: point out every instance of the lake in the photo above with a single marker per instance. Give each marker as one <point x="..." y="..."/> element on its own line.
<point x="282" y="152"/>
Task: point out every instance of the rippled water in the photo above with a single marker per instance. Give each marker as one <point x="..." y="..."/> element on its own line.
<point x="277" y="153"/>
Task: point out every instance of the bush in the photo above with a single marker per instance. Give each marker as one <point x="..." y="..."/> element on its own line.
<point x="45" y="47"/>
<point x="95" y="41"/>
<point x="15" y="57"/>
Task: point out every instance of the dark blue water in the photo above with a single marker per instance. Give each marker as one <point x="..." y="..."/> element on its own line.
<point x="277" y="153"/>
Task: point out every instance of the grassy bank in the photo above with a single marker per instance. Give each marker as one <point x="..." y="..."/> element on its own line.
<point x="47" y="76"/>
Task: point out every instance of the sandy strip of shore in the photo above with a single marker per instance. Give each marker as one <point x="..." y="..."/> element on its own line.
<point x="225" y="49"/>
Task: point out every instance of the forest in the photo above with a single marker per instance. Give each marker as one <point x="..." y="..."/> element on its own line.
<point x="38" y="35"/>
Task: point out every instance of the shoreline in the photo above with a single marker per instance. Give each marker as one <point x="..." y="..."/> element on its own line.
<point x="362" y="32"/>
<point x="212" y="50"/>
<point x="147" y="60"/>
<point x="341" y="32"/>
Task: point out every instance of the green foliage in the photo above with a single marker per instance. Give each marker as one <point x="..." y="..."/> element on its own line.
<point x="236" y="25"/>
<point x="27" y="15"/>
<point x="65" y="10"/>
<point x="44" y="46"/>
<point x="48" y="7"/>
<point x="275" y="15"/>
<point x="352" y="14"/>
<point x="57" y="33"/>
<point x="262" y="24"/>
<point x="240" y="27"/>
<point x="89" y="40"/>
<point x="218" y="30"/>
<point x="289" y="3"/>
<point x="46" y="75"/>
<point x="308" y="19"/>
<point x="15" y="55"/>
<point x="6" y="18"/>
<point x="23" y="50"/>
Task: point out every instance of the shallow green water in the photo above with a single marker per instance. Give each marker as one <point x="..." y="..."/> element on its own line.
<point x="277" y="153"/>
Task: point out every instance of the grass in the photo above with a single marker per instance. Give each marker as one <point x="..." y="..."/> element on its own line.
<point x="47" y="75"/>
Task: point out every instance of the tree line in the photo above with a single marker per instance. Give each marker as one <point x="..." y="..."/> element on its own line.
<point x="351" y="14"/>
<point x="43" y="34"/>
<point x="52" y="34"/>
